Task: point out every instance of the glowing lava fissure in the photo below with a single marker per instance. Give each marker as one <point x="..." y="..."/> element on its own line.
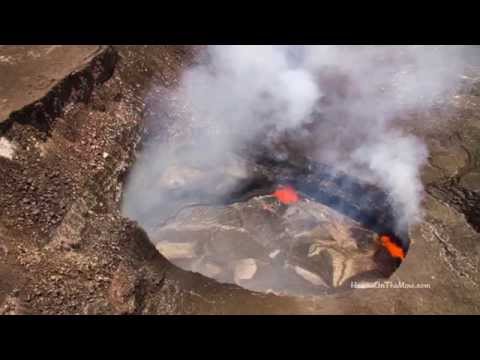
<point x="286" y="195"/>
<point x="393" y="249"/>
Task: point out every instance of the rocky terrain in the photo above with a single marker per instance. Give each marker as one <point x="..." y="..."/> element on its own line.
<point x="71" y="118"/>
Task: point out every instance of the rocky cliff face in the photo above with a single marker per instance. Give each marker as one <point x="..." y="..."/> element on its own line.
<point x="69" y="127"/>
<point x="65" y="247"/>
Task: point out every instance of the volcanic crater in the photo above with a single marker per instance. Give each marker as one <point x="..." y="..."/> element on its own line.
<point x="283" y="225"/>
<point x="269" y="220"/>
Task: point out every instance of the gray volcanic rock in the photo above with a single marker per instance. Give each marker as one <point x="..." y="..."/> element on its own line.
<point x="261" y="244"/>
<point x="33" y="74"/>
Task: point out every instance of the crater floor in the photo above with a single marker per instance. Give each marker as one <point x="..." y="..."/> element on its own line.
<point x="304" y="248"/>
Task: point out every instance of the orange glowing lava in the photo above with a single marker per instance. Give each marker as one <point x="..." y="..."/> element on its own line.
<point x="393" y="249"/>
<point x="286" y="195"/>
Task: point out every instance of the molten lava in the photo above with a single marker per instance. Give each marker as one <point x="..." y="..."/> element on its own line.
<point x="286" y="195"/>
<point x="393" y="249"/>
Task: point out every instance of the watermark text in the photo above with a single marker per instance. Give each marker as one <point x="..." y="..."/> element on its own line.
<point x="388" y="285"/>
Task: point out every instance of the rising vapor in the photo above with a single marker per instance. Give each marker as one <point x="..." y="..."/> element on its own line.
<point x="355" y="95"/>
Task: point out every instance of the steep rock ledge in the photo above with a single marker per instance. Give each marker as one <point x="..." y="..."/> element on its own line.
<point x="65" y="247"/>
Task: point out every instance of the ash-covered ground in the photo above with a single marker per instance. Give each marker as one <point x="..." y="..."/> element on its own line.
<point x="72" y="120"/>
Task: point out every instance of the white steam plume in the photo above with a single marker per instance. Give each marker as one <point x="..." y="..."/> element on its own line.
<point x="361" y="92"/>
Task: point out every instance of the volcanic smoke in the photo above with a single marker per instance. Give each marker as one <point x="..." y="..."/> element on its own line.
<point x="356" y="96"/>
